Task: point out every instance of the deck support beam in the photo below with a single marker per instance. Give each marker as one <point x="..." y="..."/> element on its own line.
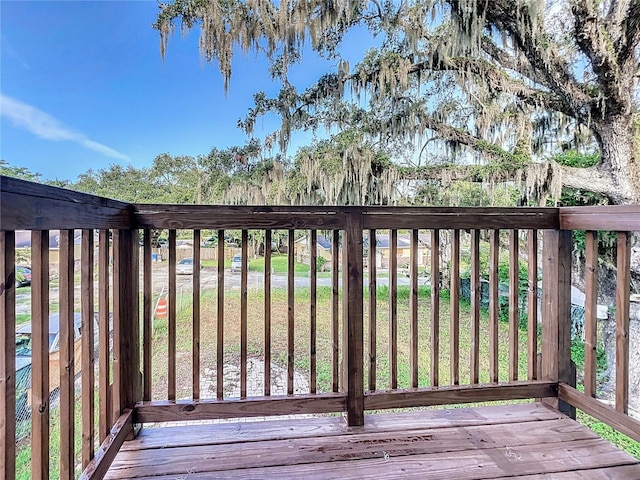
<point x="556" y="314"/>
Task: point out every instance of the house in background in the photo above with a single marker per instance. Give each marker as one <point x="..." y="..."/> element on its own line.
<point x="302" y="248"/>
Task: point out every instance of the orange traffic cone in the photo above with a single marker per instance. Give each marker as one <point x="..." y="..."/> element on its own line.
<point x="161" y="308"/>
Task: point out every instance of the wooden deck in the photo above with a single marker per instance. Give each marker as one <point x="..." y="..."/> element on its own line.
<point x="514" y="441"/>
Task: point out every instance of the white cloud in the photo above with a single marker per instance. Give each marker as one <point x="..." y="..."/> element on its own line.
<point x="50" y="128"/>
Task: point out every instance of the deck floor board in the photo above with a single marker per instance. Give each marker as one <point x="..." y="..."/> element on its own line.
<point x="513" y="441"/>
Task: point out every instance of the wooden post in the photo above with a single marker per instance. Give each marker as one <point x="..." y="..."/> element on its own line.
<point x="353" y="321"/>
<point x="7" y="356"/>
<point x="556" y="313"/>
<point x="127" y="376"/>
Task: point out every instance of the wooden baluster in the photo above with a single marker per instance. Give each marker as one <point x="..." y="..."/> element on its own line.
<point x="435" y="307"/>
<point x="244" y="267"/>
<point x="104" y="333"/>
<point x="413" y="311"/>
<point x="494" y="304"/>
<point x="622" y="321"/>
<point x="335" y="312"/>
<point x="172" y="321"/>
<point x="147" y="316"/>
<point x="475" y="306"/>
<point x="393" y="309"/>
<point x="40" y="354"/>
<point x="513" y="303"/>
<point x="291" y="317"/>
<point x="7" y="355"/>
<point x="196" y="316"/>
<point x="65" y="356"/>
<point x="220" y="322"/>
<point x="313" y="312"/>
<point x="532" y="305"/>
<point x="88" y="347"/>
<point x="590" y="311"/>
<point x="372" y="309"/>
<point x="267" y="313"/>
<point x="455" y="308"/>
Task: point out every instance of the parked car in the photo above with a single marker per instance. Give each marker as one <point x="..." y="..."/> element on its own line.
<point x="185" y="266"/>
<point x="24" y="346"/>
<point x="236" y="263"/>
<point x="23" y="276"/>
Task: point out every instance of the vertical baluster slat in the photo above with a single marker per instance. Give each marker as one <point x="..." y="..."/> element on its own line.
<point x="147" y="315"/>
<point x="65" y="355"/>
<point x="475" y="306"/>
<point x="372" y="309"/>
<point x="40" y="354"/>
<point x="393" y="309"/>
<point x="7" y="355"/>
<point x="196" y="316"/>
<point x="220" y="320"/>
<point x="413" y="310"/>
<point x="335" y="311"/>
<point x="244" y="267"/>
<point x="590" y="312"/>
<point x="313" y="312"/>
<point x="532" y="305"/>
<point x="88" y="346"/>
<point x="173" y="287"/>
<point x="494" y="306"/>
<point x="623" y="284"/>
<point x="513" y="303"/>
<point x="435" y="307"/>
<point x="455" y="308"/>
<point x="291" y="317"/>
<point x="267" y="313"/>
<point x="104" y="329"/>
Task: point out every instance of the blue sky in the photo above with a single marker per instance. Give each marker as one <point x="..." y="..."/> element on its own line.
<point x="83" y="85"/>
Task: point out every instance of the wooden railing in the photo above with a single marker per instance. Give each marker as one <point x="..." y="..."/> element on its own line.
<point x="379" y="339"/>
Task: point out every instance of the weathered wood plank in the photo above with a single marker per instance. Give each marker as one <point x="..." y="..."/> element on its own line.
<point x="168" y="411"/>
<point x="393" y="309"/>
<point x="7" y="355"/>
<point x="454" y="308"/>
<point x="622" y="472"/>
<point x="291" y="312"/>
<point x="590" y="311"/>
<point x="475" y="307"/>
<point x="358" y="446"/>
<point x="604" y="217"/>
<point x="244" y="267"/>
<point x="373" y="309"/>
<point x="267" y="313"/>
<point x="195" y="315"/>
<point x="33" y="206"/>
<point x="106" y="408"/>
<point x="65" y="364"/>
<point x="313" y="295"/>
<point x="514" y="285"/>
<point x="556" y="311"/>
<point x="413" y="311"/>
<point x="532" y="305"/>
<point x="88" y="349"/>
<point x="623" y="281"/>
<point x="220" y="320"/>
<point x="335" y="312"/>
<point x="612" y="417"/>
<point x="40" y="354"/>
<point x="450" y="395"/>
<point x="435" y="307"/>
<point x="494" y="318"/>
<point x="147" y="316"/>
<point x="109" y="448"/>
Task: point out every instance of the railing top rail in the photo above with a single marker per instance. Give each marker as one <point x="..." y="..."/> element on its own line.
<point x="605" y="217"/>
<point x="33" y="206"/>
